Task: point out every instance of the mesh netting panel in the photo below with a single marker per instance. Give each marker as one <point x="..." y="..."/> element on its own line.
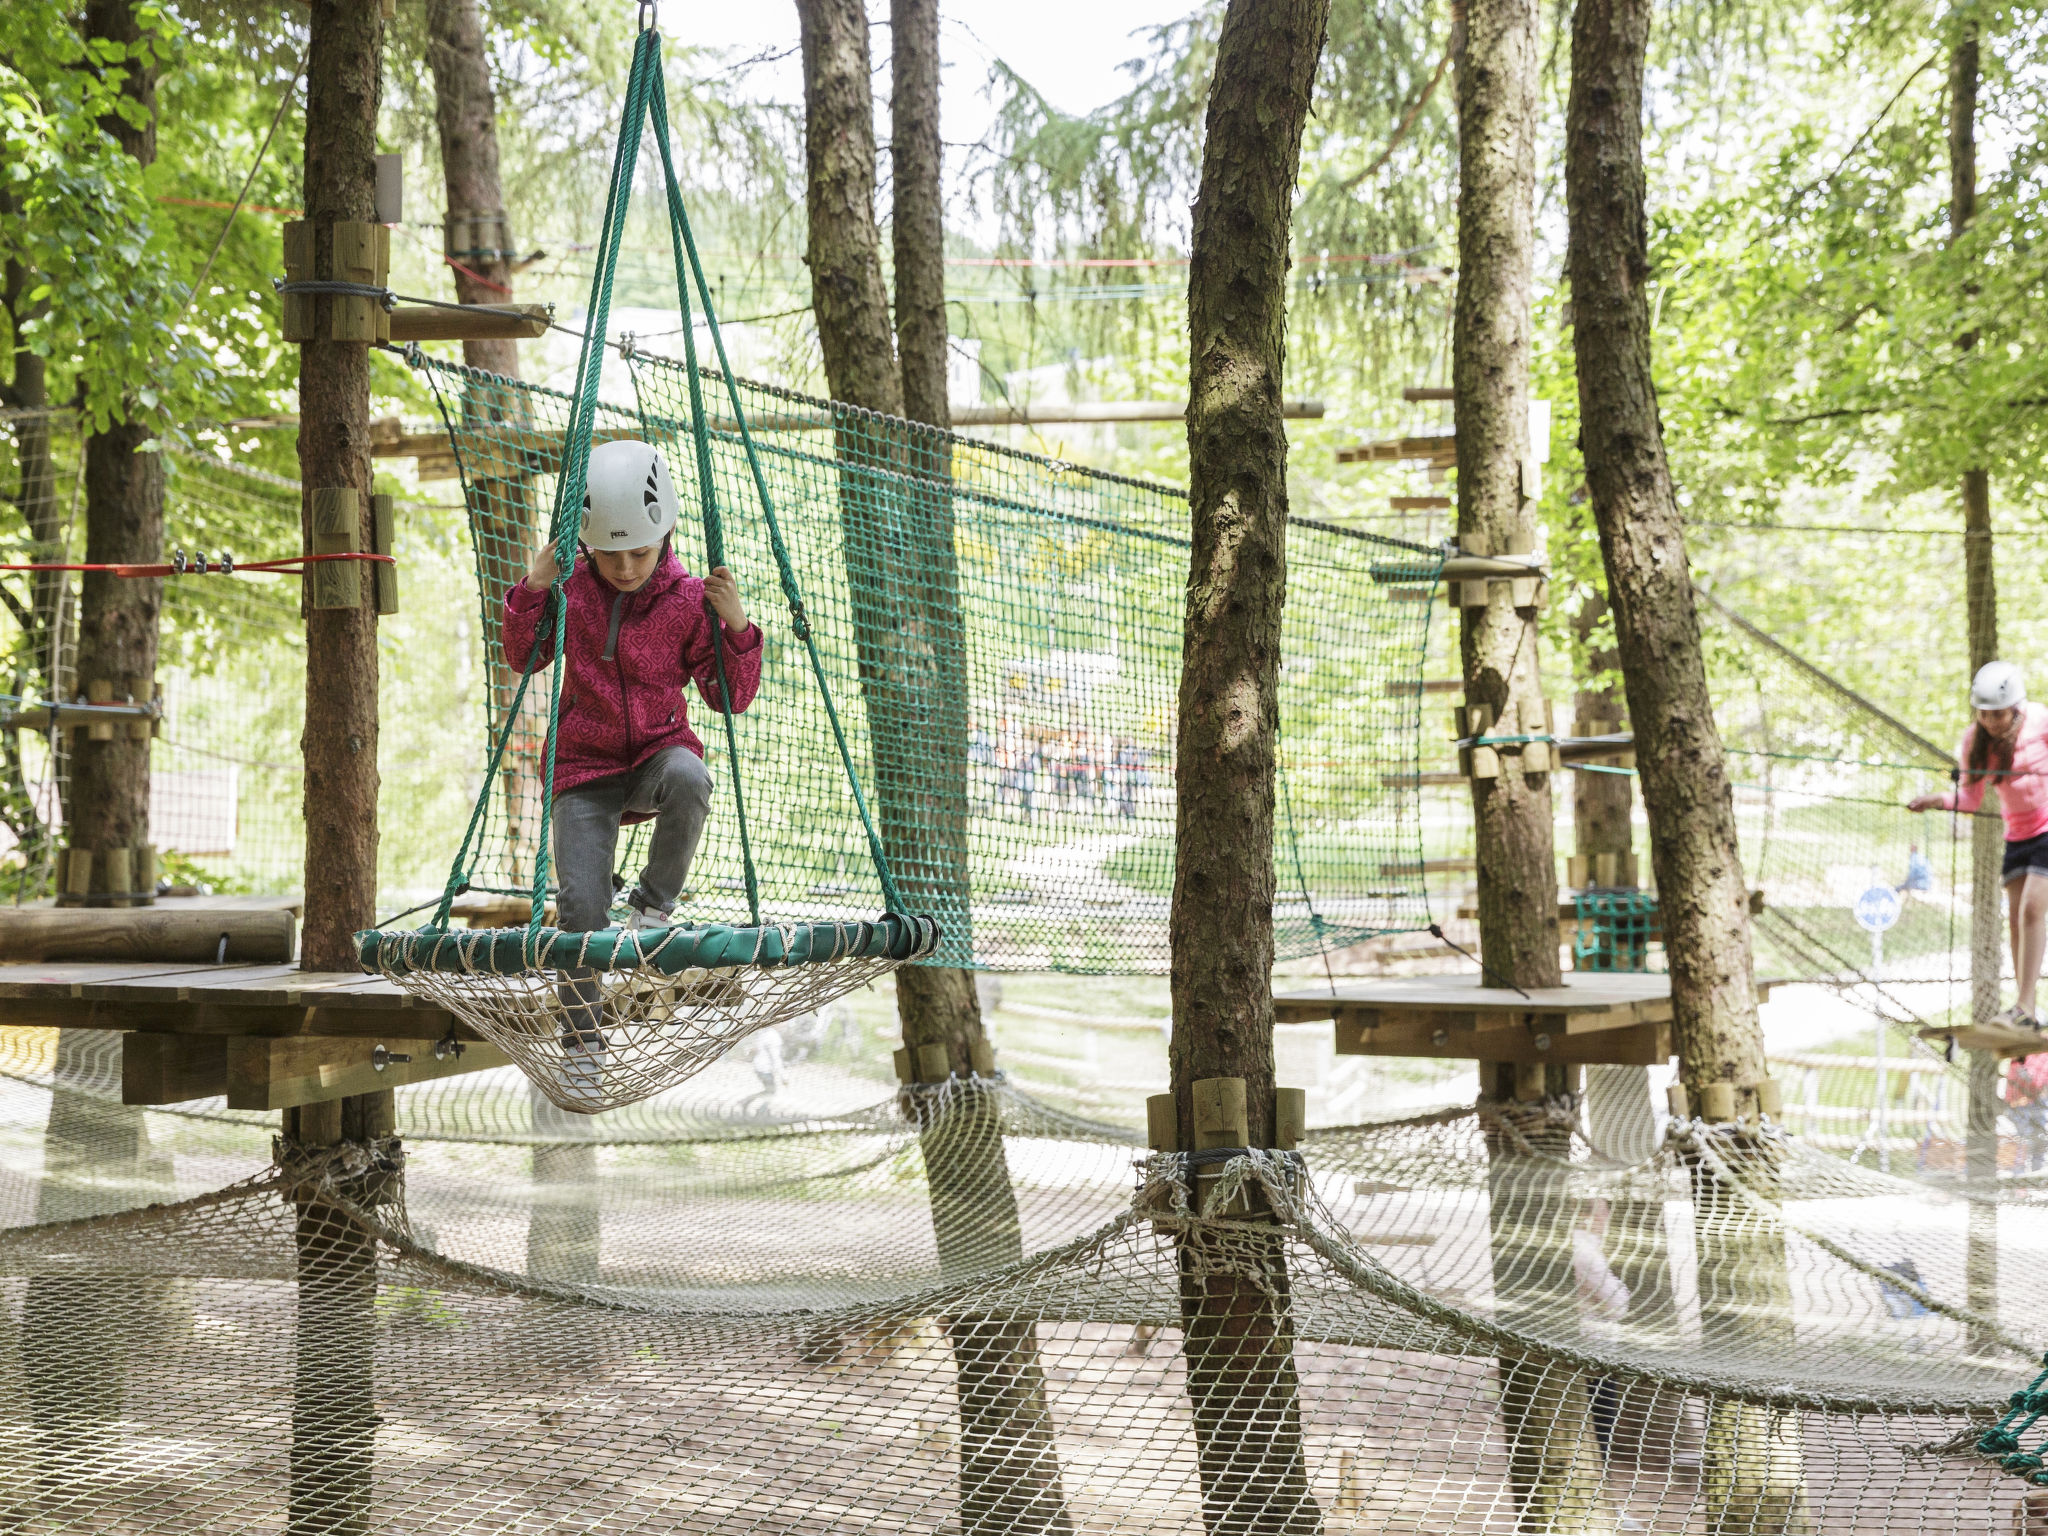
<point x="300" y="1352"/>
<point x="1001" y="635"/>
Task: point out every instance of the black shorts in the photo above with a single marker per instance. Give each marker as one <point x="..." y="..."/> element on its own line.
<point x="2024" y="858"/>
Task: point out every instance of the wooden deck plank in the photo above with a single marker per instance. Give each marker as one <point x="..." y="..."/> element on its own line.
<point x="1588" y="1002"/>
<point x="63" y="978"/>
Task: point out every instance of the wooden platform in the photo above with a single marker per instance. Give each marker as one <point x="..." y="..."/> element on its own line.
<point x="266" y="1036"/>
<point x="1621" y="1018"/>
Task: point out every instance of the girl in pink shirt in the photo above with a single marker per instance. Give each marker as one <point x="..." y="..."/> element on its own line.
<point x="2007" y="750"/>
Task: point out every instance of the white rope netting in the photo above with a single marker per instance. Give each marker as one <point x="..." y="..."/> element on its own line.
<point x="1457" y="1322"/>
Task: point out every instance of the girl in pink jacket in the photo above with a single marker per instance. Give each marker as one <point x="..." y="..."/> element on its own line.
<point x="639" y="630"/>
<point x="2007" y="750"/>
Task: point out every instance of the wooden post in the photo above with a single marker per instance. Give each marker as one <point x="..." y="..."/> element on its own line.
<point x="339" y="241"/>
<point x="1237" y="1319"/>
<point x="334" y="1417"/>
<point x="334" y="1409"/>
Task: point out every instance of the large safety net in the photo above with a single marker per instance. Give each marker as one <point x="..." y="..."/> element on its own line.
<point x="958" y="1311"/>
<point x="1052" y="693"/>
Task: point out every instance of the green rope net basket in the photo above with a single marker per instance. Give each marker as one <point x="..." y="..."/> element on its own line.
<point x="602" y="1019"/>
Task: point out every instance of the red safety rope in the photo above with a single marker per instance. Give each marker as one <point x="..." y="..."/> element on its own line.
<point x="199" y="566"/>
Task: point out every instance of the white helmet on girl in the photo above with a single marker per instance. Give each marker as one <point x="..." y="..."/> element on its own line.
<point x="1997" y="686"/>
<point x="629" y="501"/>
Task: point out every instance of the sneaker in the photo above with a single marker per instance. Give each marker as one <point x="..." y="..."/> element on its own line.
<point x="640" y="919"/>
<point x="581" y="1076"/>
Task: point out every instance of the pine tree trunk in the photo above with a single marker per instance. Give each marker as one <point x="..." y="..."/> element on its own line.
<point x="1753" y="1479"/>
<point x="124" y="523"/>
<point x="1553" y="1458"/>
<point x="1987" y="921"/>
<point x="912" y="658"/>
<point x="334" y="1407"/>
<point x="1496" y="82"/>
<point x="342" y="85"/>
<point x="42" y="512"/>
<point x="1602" y="803"/>
<point x="1237" y="1320"/>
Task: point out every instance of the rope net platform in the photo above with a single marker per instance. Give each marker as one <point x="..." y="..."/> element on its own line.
<point x="597" y="1020"/>
<point x="501" y="1320"/>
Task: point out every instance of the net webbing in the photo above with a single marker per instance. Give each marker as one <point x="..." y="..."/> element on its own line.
<point x="733" y="1329"/>
<point x="1063" y="679"/>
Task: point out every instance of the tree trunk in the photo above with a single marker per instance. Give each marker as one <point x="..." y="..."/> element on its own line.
<point x="42" y="513"/>
<point x="1496" y="511"/>
<point x="1987" y="922"/>
<point x="1553" y="1457"/>
<point x="564" y="1233"/>
<point x="124" y="524"/>
<point x="912" y="658"/>
<point x="1753" y="1478"/>
<point x="466" y="113"/>
<point x="917" y="223"/>
<point x="1237" y="1319"/>
<point x="342" y="85"/>
<point x="1603" y="827"/>
<point x="334" y="1407"/>
<point x="80" y="1334"/>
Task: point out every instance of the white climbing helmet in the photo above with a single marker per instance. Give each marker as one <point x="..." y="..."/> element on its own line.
<point x="629" y="501"/>
<point x="1998" y="685"/>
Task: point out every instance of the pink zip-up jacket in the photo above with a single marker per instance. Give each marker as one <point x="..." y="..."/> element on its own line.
<point x="2023" y="798"/>
<point x="630" y="655"/>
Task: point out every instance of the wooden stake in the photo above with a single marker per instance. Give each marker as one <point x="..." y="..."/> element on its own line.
<point x="383" y="525"/>
<point x="472" y="322"/>
<point x="1220" y="1113"/>
<point x="337" y="528"/>
<point x="119" y="872"/>
<point x="1162" y="1123"/>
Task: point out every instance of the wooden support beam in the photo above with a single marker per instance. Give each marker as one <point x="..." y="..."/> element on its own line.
<point x="280" y="1074"/>
<point x="1406" y="689"/>
<point x="471" y="322"/>
<point x="1419" y="503"/>
<point x="1636" y="1045"/>
<point x="1103" y="411"/>
<point x="1420" y="394"/>
<point x="1431" y="447"/>
<point x="275" y="1021"/>
<point x="146" y="933"/>
<point x="173" y="1069"/>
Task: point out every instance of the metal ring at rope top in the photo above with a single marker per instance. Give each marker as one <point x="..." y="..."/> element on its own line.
<point x="646" y="19"/>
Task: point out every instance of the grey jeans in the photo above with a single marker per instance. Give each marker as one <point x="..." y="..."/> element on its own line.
<point x="674" y="787"/>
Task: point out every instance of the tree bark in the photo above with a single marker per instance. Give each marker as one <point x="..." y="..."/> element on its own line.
<point x="1553" y="1457"/>
<point x="844" y="251"/>
<point x="1236" y="1319"/>
<point x="1701" y="896"/>
<point x="1496" y="83"/>
<point x="917" y="223"/>
<point x="124" y="524"/>
<point x="466" y="115"/>
<point x="912" y="658"/>
<point x="41" y="512"/>
<point x="1987" y="922"/>
<point x="1603" y="804"/>
<point x="1753" y="1478"/>
<point x="340" y="742"/>
<point x="344" y="1148"/>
